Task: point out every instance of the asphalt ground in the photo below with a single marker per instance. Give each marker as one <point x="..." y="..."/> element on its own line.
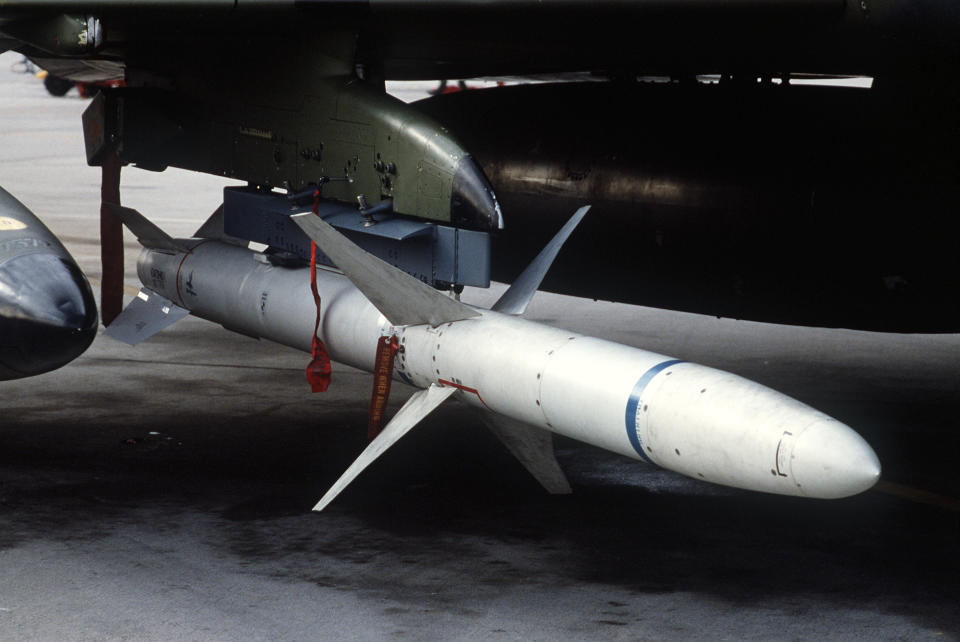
<point x="164" y="491"/>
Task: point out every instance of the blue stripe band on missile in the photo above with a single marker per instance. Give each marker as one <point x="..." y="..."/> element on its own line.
<point x="634" y="402"/>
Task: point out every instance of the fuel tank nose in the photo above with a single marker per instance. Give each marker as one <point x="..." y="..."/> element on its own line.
<point x="48" y="315"/>
<point x="473" y="203"/>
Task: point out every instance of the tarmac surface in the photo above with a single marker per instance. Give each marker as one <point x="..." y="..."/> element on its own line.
<point x="164" y="491"/>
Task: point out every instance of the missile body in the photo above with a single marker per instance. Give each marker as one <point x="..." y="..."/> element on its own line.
<point x="48" y="316"/>
<point x="699" y="421"/>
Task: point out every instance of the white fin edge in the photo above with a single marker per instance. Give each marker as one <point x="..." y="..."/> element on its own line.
<point x="421" y="404"/>
<point x="516" y="299"/>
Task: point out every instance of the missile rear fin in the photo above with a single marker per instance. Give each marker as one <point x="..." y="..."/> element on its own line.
<point x="516" y="299"/>
<point x="421" y="404"/>
<point x="401" y="298"/>
<point x="212" y="228"/>
<point x="147" y="314"/>
<point x="149" y="235"/>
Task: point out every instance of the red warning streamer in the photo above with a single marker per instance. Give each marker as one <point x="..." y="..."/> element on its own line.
<point x="318" y="371"/>
<point x="111" y="241"/>
<point x="382" y="376"/>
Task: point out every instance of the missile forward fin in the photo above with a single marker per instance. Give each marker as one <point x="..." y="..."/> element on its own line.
<point x="400" y="297"/>
<point x="421" y="404"/>
<point x="148" y="233"/>
<point x="533" y="447"/>
<point x="147" y="314"/>
<point x="516" y="299"/>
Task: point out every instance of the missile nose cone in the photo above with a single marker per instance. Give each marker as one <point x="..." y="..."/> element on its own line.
<point x="48" y="315"/>
<point x="472" y="201"/>
<point x="829" y="461"/>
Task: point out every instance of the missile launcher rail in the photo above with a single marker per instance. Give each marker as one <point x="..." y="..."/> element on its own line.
<point x="436" y="254"/>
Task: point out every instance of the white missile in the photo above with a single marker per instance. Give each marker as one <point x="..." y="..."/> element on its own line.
<point x="533" y="379"/>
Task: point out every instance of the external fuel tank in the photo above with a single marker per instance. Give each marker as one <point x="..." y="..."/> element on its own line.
<point x="746" y="198"/>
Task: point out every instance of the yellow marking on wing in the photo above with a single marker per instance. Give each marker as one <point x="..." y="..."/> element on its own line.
<point x="8" y="223"/>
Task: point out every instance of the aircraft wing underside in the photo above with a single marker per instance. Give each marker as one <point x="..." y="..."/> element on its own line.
<point x="289" y="97"/>
<point x="465" y="38"/>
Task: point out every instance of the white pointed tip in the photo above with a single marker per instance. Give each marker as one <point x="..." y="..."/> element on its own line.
<point x="831" y="461"/>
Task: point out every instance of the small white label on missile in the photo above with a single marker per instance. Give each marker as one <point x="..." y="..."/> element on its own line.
<point x="7" y="223"/>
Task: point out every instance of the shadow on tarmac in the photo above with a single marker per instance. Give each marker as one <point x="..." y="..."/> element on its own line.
<point x="452" y="503"/>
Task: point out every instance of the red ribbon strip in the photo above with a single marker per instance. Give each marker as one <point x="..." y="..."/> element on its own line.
<point x="382" y="376"/>
<point x="318" y="371"/>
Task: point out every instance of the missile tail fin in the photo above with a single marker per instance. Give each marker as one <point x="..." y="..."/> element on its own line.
<point x="400" y="297"/>
<point x="516" y="299"/>
<point x="421" y="404"/>
<point x="533" y="447"/>
<point x="147" y="314"/>
<point x="147" y="232"/>
<point x="213" y="228"/>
